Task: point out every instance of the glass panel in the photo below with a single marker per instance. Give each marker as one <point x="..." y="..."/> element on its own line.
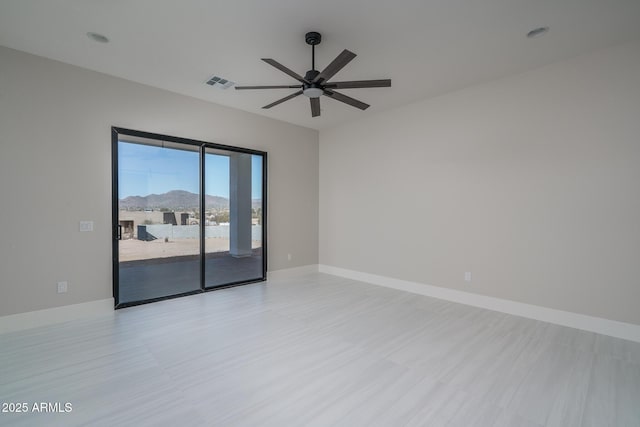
<point x="233" y="217"/>
<point x="158" y="215"/>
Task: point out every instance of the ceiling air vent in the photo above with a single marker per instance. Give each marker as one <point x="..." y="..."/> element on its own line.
<point x="220" y="83"/>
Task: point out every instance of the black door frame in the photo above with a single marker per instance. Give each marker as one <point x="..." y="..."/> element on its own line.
<point x="116" y="133"/>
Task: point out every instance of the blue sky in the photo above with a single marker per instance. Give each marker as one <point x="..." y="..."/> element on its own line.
<point x="145" y="169"/>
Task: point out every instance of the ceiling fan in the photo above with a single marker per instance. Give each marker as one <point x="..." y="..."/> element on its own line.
<point x="316" y="83"/>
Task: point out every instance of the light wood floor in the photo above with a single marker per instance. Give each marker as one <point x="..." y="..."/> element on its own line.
<point x="319" y="351"/>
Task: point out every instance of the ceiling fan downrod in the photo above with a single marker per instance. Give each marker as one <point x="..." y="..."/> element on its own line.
<point x="313" y="38"/>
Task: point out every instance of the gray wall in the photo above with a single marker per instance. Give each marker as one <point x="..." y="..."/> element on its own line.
<point x="532" y="183"/>
<point x="55" y="170"/>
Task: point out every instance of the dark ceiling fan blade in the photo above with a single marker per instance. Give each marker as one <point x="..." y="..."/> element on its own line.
<point x="268" y="87"/>
<point x="346" y="99"/>
<point x="336" y="65"/>
<point x="285" y="70"/>
<point x="357" y="84"/>
<point x="286" y="98"/>
<point x="315" y="107"/>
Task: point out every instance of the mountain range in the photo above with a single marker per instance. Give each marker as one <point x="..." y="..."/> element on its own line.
<point x="178" y="199"/>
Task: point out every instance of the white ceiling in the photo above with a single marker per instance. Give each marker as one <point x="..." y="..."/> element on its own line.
<point x="427" y="47"/>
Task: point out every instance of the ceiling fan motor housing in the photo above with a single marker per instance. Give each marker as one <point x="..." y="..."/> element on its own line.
<point x="312" y="90"/>
<point x="310" y="75"/>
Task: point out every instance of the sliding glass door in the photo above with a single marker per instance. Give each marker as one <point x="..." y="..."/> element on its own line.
<point x="188" y="216"/>
<point x="233" y="222"/>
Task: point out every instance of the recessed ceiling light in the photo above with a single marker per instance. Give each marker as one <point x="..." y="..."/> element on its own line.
<point x="537" y="32"/>
<point x="98" y="38"/>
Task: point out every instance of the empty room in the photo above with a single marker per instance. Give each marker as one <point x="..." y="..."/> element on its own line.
<point x="339" y="213"/>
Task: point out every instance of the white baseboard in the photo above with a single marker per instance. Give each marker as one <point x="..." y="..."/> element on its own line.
<point x="33" y="319"/>
<point x="627" y="331"/>
<point x="292" y="272"/>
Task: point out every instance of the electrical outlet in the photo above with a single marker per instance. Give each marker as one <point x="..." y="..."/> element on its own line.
<point x="467" y="276"/>
<point x="288" y="257"/>
<point x="62" y="287"/>
<point x="86" y="225"/>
